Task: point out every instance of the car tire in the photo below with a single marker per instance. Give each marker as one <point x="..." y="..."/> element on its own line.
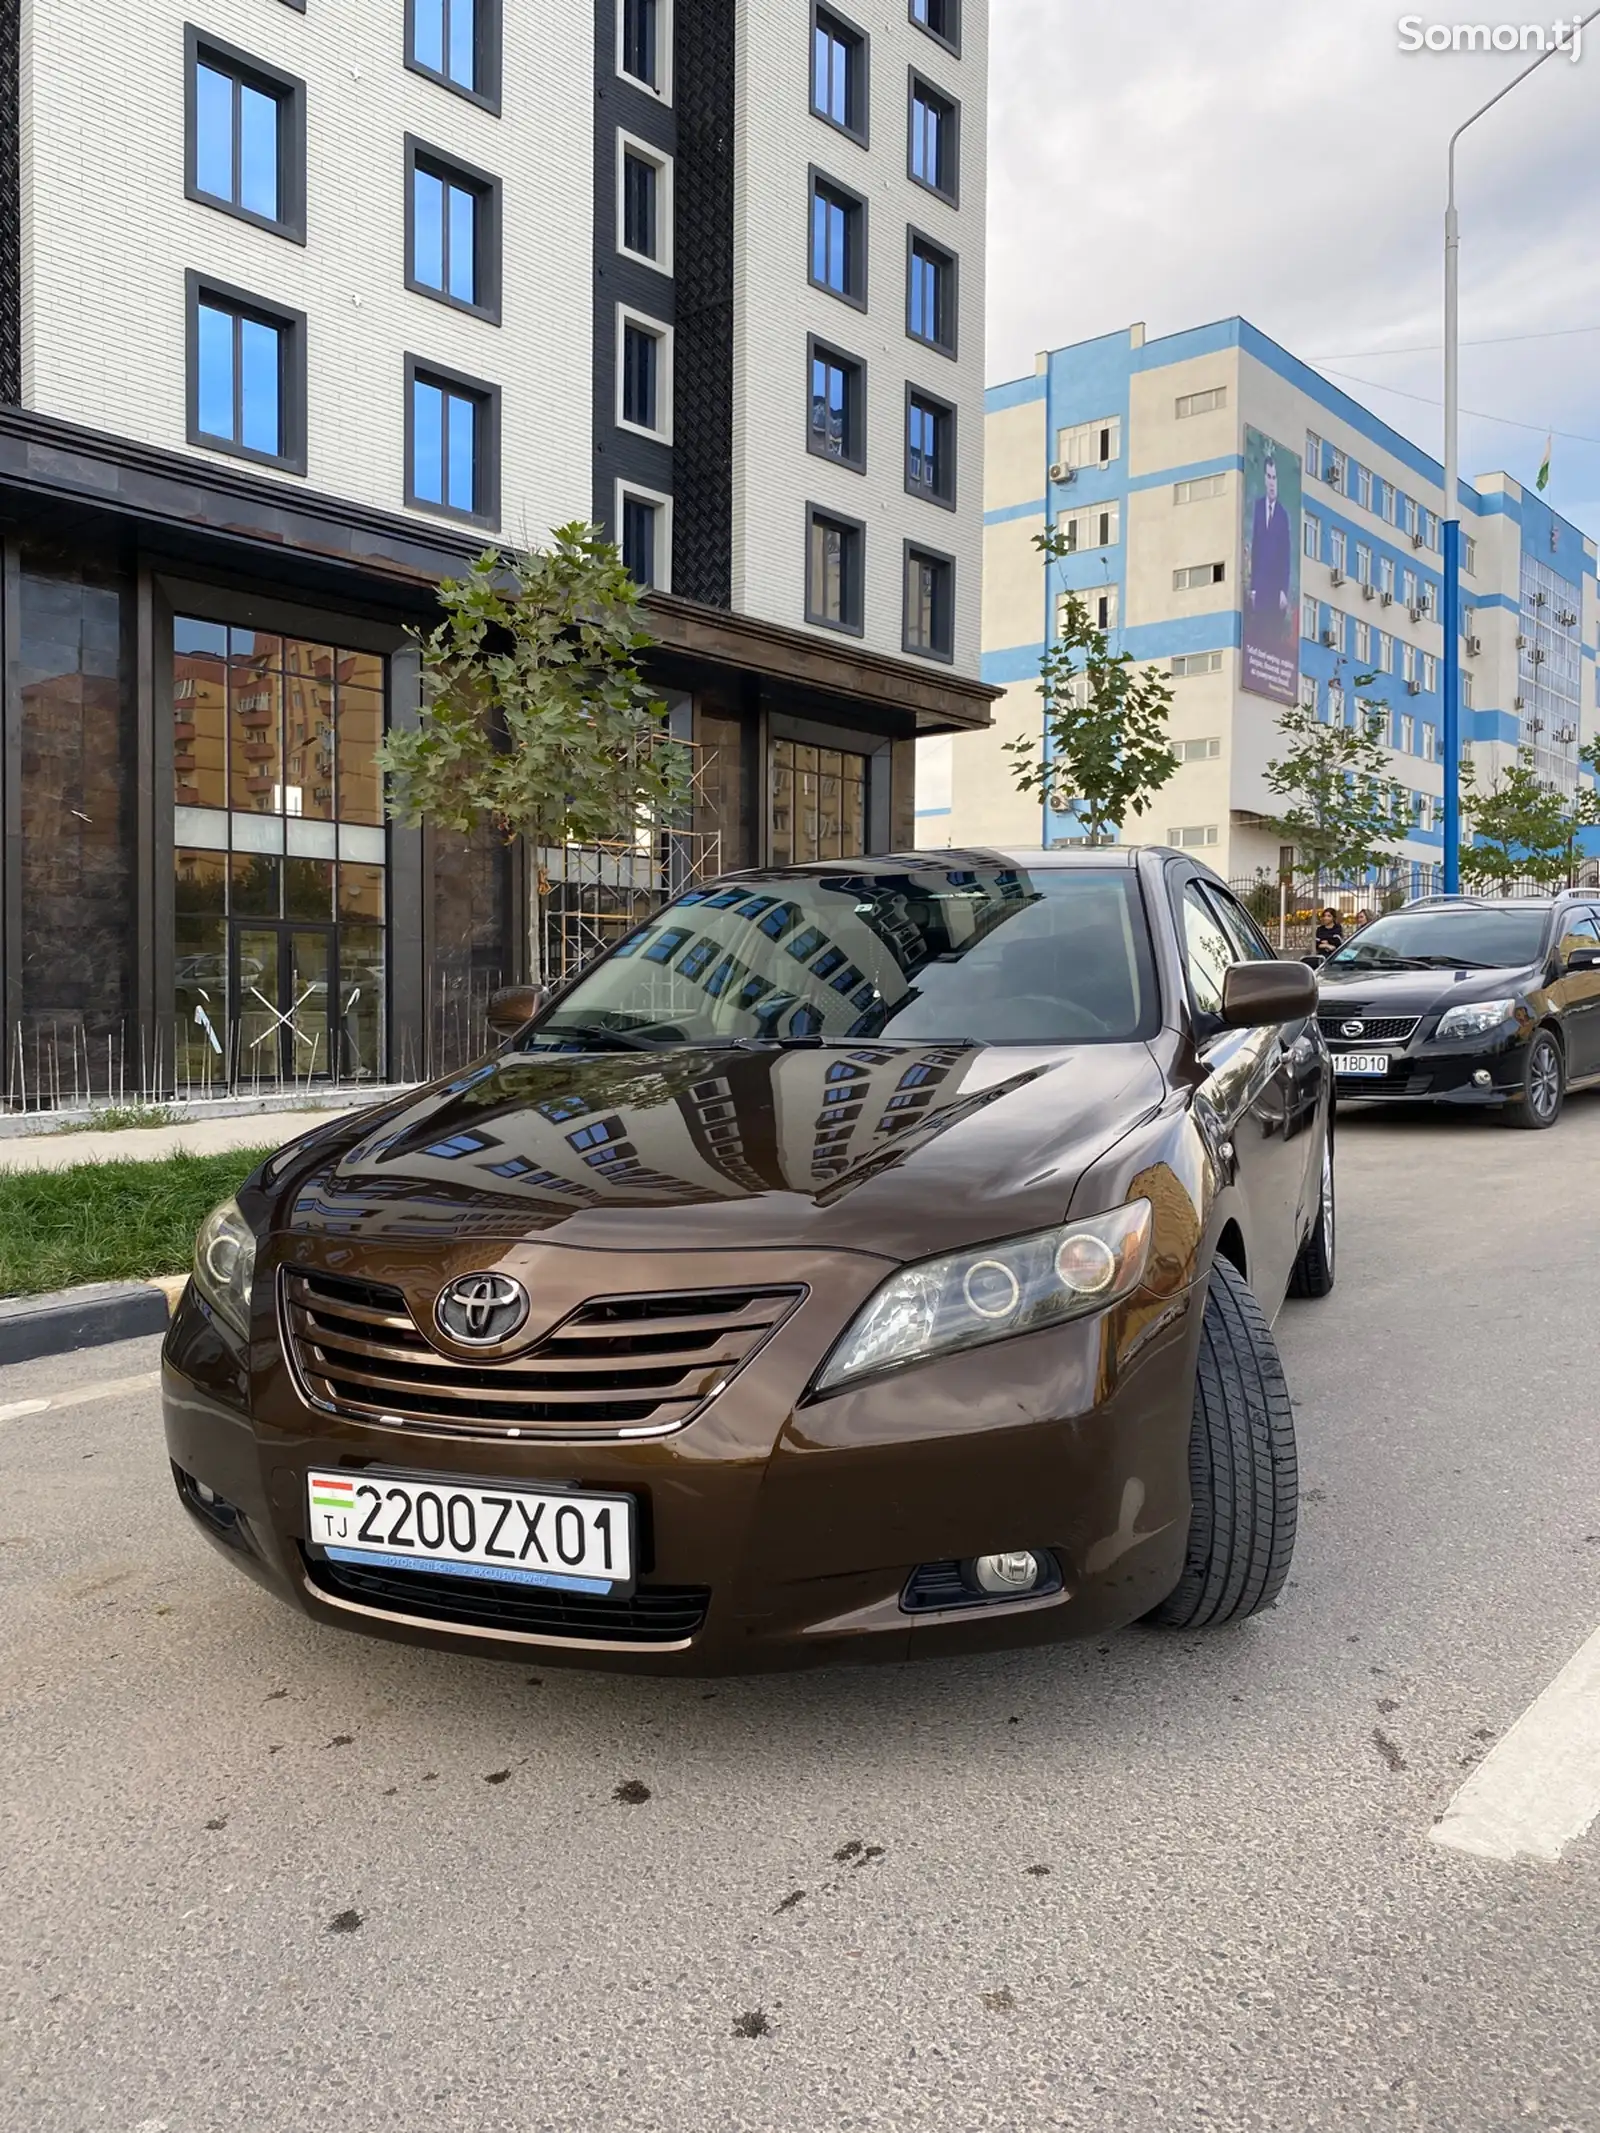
<point x="1544" y="1085"/>
<point x="1312" y="1273"/>
<point x="1243" y="1472"/>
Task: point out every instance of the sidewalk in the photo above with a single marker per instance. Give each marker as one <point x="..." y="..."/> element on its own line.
<point x="201" y="1136"/>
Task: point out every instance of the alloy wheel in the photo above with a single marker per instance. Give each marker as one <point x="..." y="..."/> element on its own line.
<point x="1544" y="1078"/>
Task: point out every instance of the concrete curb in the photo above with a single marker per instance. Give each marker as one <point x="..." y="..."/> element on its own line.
<point x="86" y="1317"/>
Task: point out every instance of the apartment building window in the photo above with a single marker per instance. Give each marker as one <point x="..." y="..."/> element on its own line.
<point x="1308" y="693"/>
<point x="1469" y="555"/>
<point x="933" y="147"/>
<point x="1337" y="625"/>
<point x="838" y="241"/>
<point x="1090" y="444"/>
<point x="1313" y="461"/>
<point x="1408" y="516"/>
<point x="457" y="43"/>
<point x="1408" y="587"/>
<point x="1363" y="641"/>
<point x="644" y="44"/>
<point x="644" y="375"/>
<point x="1185" y="664"/>
<point x="930" y="448"/>
<point x="1363" y="564"/>
<point x="1198" y="488"/>
<point x="1408" y="734"/>
<point x="1364" y="487"/>
<point x="1336" y="703"/>
<point x="1466" y="692"/>
<point x="1337" y="469"/>
<point x="1427" y="598"/>
<point x="940" y="18"/>
<point x="1430" y="672"/>
<point x="1190" y="576"/>
<point x="1193" y="837"/>
<point x="1424" y="802"/>
<point x="247" y="375"/>
<point x="839" y="73"/>
<point x="452" y="443"/>
<point x="644" y="203"/>
<point x="1338" y="549"/>
<point x="1385" y="652"/>
<point x="245" y="137"/>
<point x="1386" y="575"/>
<point x="1105" y="609"/>
<point x="1430" y="741"/>
<point x="1311" y="536"/>
<point x="837" y="428"/>
<point x="452" y="232"/>
<point x="1308" y="616"/>
<point x="1203" y="751"/>
<point x="644" y="522"/>
<point x="1202" y="403"/>
<point x="1408" y="662"/>
<point x="1391" y="503"/>
<point x="835" y="570"/>
<point x="930" y="294"/>
<point x="929" y="618"/>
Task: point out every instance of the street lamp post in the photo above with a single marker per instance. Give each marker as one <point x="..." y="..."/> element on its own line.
<point x="1452" y="523"/>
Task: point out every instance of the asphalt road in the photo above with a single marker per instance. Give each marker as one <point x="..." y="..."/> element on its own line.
<point x="258" y="1876"/>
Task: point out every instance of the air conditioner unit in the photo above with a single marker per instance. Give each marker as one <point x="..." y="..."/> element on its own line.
<point x="1519" y="703"/>
<point x="1330" y="639"/>
<point x="1538" y="657"/>
<point x="1474" y="647"/>
<point x="1522" y="642"/>
<point x="1061" y="473"/>
<point x="1336" y="576"/>
<point x="1566" y="618"/>
<point x="1413" y="688"/>
<point x="1415" y="613"/>
<point x="1538" y="599"/>
<point x="1367" y="588"/>
<point x="1418" y="539"/>
<point x="1387" y="599"/>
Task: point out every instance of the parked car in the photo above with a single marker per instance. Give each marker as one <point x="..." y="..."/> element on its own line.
<point x="861" y="1259"/>
<point x="1463" y="1000"/>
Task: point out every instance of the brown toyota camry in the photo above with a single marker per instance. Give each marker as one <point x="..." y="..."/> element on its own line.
<point x="861" y="1260"/>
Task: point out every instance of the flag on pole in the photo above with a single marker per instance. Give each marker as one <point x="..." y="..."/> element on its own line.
<point x="1544" y="464"/>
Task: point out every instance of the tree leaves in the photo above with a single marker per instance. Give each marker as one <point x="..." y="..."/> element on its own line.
<point x="1520" y="827"/>
<point x="1105" y="722"/>
<point x="535" y="715"/>
<point x="1345" y="810"/>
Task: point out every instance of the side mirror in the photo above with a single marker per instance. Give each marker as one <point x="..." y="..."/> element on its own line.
<point x="1584" y="959"/>
<point x="1253" y="993"/>
<point x="513" y="1007"/>
<point x="1313" y="962"/>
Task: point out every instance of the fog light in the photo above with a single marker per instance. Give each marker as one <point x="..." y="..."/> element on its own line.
<point x="1481" y="1078"/>
<point x="1016" y="1571"/>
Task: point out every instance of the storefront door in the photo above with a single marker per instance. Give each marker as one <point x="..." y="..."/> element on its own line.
<point x="286" y="1005"/>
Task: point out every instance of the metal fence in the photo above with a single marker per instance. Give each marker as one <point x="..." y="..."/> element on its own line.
<point x="70" y="1058"/>
<point x="1287" y="909"/>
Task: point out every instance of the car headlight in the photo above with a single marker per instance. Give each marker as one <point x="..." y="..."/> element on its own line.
<point x="993" y="1291"/>
<point x="1474" y="1017"/>
<point x="225" y="1264"/>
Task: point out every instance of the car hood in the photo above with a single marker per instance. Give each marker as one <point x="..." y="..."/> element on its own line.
<point x="1416" y="992"/>
<point x="892" y="1149"/>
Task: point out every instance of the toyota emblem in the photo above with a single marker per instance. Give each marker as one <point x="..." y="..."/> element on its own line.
<point x="1351" y="1029"/>
<point x="481" y="1310"/>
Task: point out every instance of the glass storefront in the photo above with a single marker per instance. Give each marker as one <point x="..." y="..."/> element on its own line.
<point x="280" y="892"/>
<point x="819" y="803"/>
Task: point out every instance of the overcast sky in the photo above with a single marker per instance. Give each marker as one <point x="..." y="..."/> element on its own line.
<point x="1179" y="163"/>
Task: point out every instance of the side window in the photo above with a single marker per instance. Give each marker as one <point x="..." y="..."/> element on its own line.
<point x="1249" y="943"/>
<point x="1577" y="930"/>
<point x="1207" y="950"/>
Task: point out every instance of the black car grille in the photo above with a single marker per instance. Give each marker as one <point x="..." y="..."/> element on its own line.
<point x="654" y="1614"/>
<point x="1376" y="1029"/>
<point x="617" y="1366"/>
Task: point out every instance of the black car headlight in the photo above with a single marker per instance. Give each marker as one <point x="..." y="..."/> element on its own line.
<point x="225" y="1264"/>
<point x="992" y="1291"/>
<point x="1475" y="1018"/>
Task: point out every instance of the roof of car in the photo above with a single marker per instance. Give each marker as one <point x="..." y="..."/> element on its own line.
<point x="944" y="858"/>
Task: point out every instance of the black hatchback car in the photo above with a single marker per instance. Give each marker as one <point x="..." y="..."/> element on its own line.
<point x="1464" y="1000"/>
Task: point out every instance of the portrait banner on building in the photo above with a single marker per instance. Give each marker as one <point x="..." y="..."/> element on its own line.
<point x="1270" y="640"/>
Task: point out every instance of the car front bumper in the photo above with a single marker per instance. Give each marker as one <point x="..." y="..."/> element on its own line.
<point x="1440" y="1073"/>
<point x="774" y="1532"/>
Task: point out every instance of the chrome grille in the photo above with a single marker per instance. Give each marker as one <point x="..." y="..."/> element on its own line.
<point x="619" y="1366"/>
<point x="1375" y="1029"/>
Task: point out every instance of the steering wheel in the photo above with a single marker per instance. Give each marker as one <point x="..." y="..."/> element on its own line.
<point x="1058" y="1006"/>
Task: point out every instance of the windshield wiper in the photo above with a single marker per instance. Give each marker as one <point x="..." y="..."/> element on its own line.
<point x="596" y="1032"/>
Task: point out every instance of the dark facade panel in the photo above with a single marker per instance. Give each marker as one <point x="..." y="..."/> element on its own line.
<point x="702" y="526"/>
<point x="10" y="201"/>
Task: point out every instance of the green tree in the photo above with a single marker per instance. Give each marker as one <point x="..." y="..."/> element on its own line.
<point x="1520" y="827"/>
<point x="1345" y="811"/>
<point x="535" y="715"/>
<point x="1105" y="718"/>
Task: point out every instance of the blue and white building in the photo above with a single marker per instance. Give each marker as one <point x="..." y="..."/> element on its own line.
<point x="1140" y="453"/>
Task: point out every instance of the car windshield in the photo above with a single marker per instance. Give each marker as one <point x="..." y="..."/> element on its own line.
<point x="980" y="955"/>
<point x="1459" y="939"/>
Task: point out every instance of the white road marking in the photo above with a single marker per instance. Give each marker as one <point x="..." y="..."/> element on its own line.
<point x="102" y="1389"/>
<point x="1539" y="1788"/>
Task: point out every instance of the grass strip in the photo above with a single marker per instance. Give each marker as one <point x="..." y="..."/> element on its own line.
<point x="118" y="1221"/>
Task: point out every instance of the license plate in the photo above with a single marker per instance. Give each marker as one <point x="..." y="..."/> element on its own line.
<point x="559" y="1537"/>
<point x="1361" y="1062"/>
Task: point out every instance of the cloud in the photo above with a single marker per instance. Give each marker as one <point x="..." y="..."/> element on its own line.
<point x="1158" y="161"/>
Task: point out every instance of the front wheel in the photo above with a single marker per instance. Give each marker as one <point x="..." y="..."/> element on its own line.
<point x="1544" y="1084"/>
<point x="1312" y="1273"/>
<point x="1243" y="1473"/>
